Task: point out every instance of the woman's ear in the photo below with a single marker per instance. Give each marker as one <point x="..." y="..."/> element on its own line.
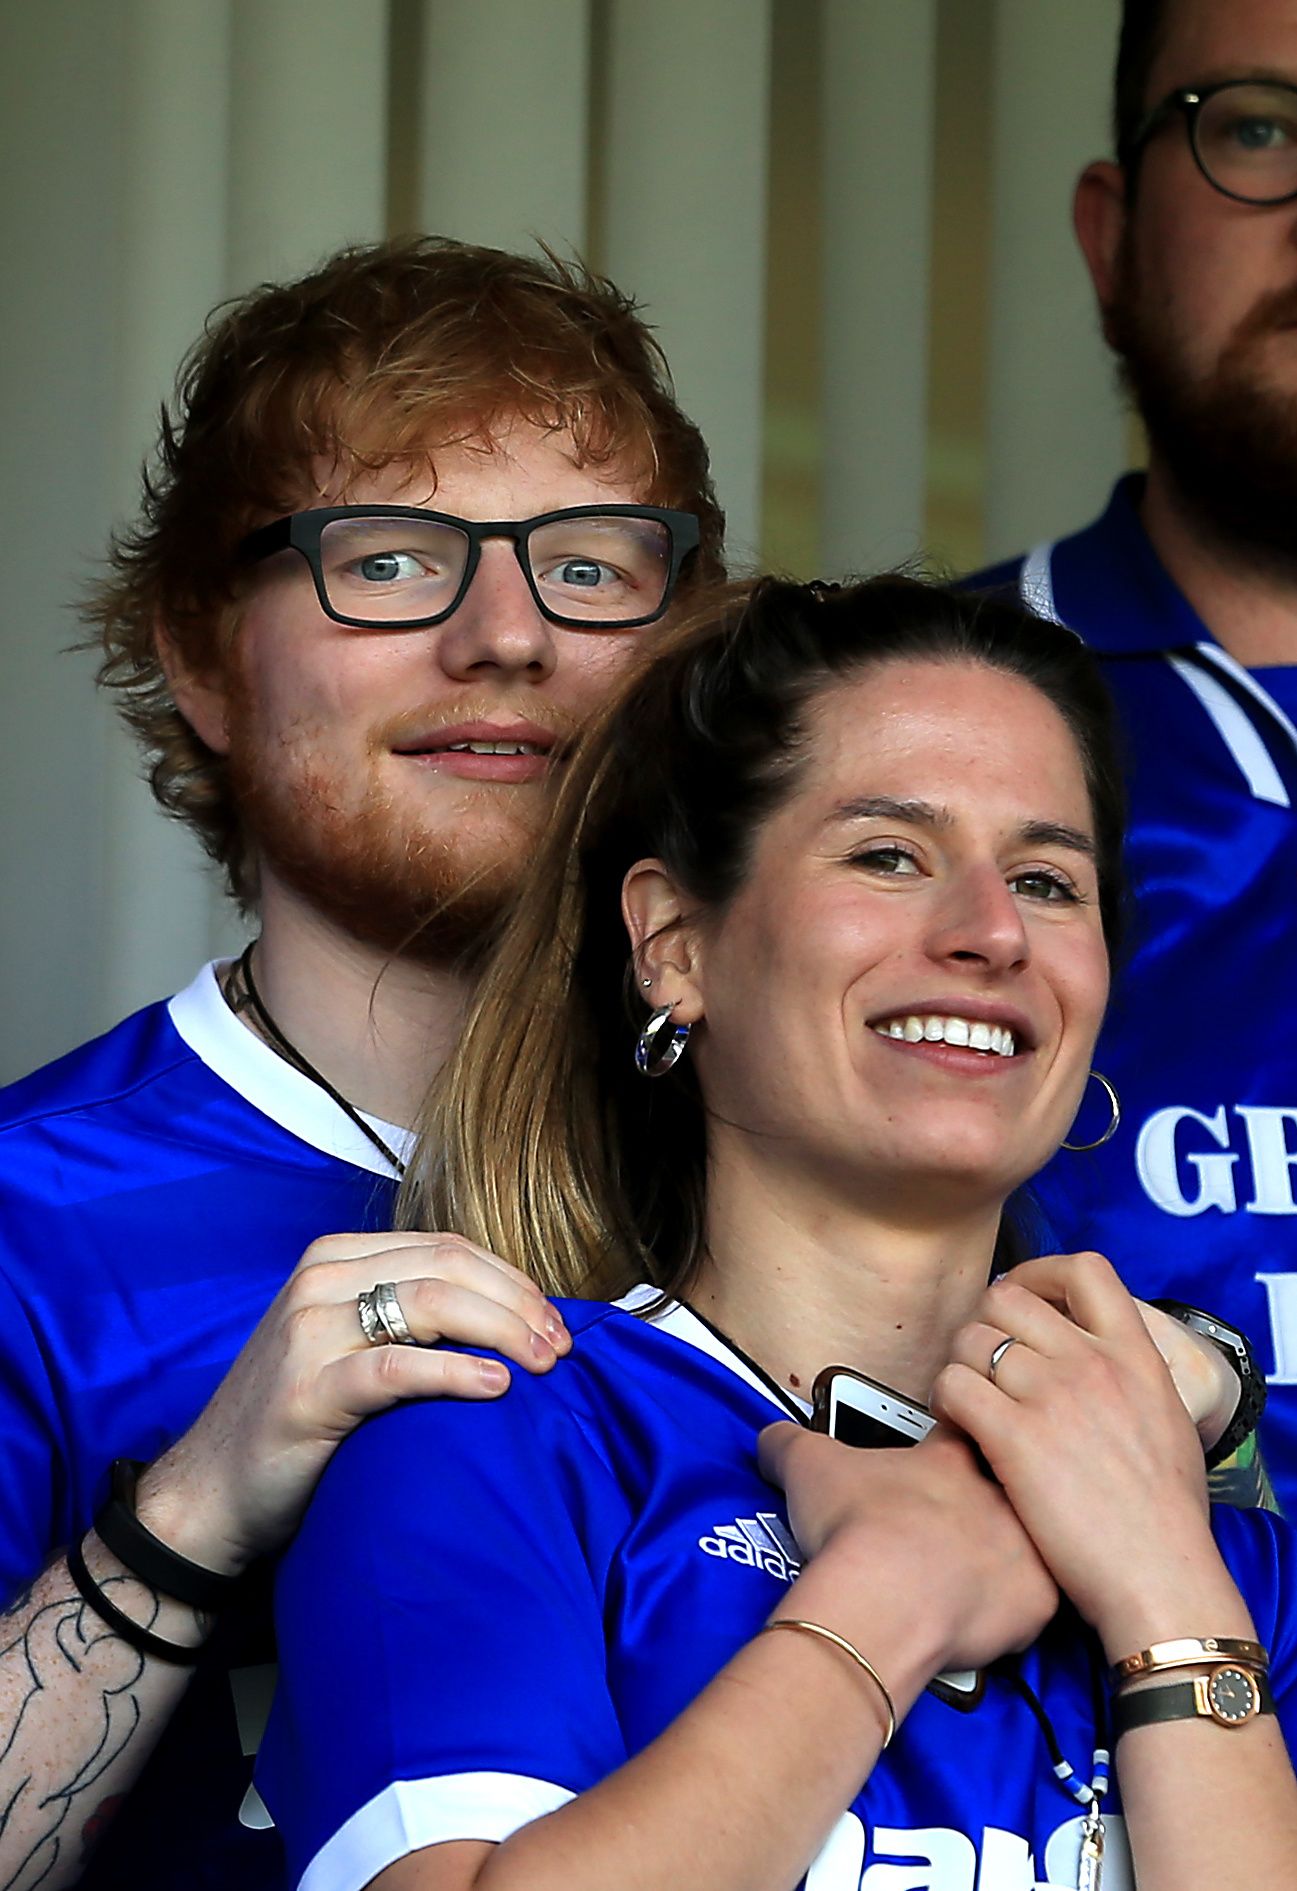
<point x="665" y="941"/>
<point x="201" y="696"/>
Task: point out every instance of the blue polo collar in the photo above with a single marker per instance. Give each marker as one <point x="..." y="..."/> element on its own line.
<point x="1111" y="586"/>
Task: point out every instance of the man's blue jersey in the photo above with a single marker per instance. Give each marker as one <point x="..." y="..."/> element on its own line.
<point x="1196" y="1195"/>
<point x="490" y="1608"/>
<point x="156" y="1188"/>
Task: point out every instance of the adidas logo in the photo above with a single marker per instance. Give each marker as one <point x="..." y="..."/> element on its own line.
<point x="760" y="1542"/>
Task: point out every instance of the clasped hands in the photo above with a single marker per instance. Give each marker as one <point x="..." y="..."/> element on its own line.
<point x="1093" y="1428"/>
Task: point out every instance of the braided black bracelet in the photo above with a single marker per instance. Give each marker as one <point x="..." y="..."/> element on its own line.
<point x="122" y="1624"/>
<point x="146" y="1556"/>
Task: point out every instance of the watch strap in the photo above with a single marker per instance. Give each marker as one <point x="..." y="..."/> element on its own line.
<point x="1233" y="1346"/>
<point x="146" y="1556"/>
<point x="1191" y="1700"/>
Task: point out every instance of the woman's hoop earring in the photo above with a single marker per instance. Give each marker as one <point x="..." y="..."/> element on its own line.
<point x="1114" y="1104"/>
<point x="660" y="1044"/>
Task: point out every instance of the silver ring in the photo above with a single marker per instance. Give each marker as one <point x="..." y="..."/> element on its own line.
<point x="390" y="1316"/>
<point x="367" y="1313"/>
<point x="997" y="1356"/>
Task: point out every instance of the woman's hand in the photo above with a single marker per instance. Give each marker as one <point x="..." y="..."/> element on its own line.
<point x="919" y="1534"/>
<point x="234" y="1486"/>
<point x="1086" y="1432"/>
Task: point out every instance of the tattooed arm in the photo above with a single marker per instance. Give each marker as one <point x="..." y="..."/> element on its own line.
<point x="80" y="1711"/>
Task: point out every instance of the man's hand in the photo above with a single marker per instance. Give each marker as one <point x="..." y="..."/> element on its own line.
<point x="233" y="1487"/>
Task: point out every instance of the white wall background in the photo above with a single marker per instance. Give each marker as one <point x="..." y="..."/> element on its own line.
<point x="848" y="219"/>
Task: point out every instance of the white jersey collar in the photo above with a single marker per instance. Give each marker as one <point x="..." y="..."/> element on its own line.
<point x="263" y="1079"/>
<point x="670" y="1317"/>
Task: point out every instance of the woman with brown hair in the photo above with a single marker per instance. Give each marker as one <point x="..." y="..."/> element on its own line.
<point x="866" y="846"/>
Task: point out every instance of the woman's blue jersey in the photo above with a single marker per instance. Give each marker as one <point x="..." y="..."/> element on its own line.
<point x="490" y="1608"/>
<point x="1195" y="1196"/>
<point x="156" y="1188"/>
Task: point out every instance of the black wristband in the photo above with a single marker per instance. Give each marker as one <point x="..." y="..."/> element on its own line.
<point x="121" y="1624"/>
<point x="1229" y="1696"/>
<point x="1233" y="1347"/>
<point x="146" y="1556"/>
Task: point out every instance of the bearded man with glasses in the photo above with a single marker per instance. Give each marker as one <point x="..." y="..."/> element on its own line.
<point x="412" y="517"/>
<point x="1187" y="590"/>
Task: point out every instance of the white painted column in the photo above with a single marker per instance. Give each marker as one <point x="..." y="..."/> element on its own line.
<point x="1057" y="436"/>
<point x="684" y="215"/>
<point x="878" y="80"/>
<point x="307" y="157"/>
<point x="159" y="896"/>
<point x="308" y="122"/>
<point x="503" y="121"/>
<point x="60" y="73"/>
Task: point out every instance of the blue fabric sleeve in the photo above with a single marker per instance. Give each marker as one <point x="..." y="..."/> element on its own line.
<point x="30" y="1448"/>
<point x="440" y="1620"/>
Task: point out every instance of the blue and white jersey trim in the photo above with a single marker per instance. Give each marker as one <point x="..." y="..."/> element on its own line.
<point x="263" y="1079"/>
<point x="670" y="1317"/>
<point x="410" y="1814"/>
<point x="1202" y="673"/>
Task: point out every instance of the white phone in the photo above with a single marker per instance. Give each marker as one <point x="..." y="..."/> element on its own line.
<point x="864" y="1412"/>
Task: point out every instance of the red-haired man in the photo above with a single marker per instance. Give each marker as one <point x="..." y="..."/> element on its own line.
<point x="413" y="516"/>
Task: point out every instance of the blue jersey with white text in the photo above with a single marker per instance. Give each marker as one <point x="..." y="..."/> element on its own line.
<point x="156" y="1188"/>
<point x="1195" y="1196"/>
<point x="489" y="1609"/>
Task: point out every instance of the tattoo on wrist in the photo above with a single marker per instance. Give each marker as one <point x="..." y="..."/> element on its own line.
<point x="46" y="1808"/>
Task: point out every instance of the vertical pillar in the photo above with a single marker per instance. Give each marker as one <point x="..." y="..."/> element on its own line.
<point x="158" y="905"/>
<point x="504" y="132"/>
<point x="308" y="123"/>
<point x="1056" y="434"/>
<point x="684" y="215"/>
<point x="60" y="67"/>
<point x="307" y="154"/>
<point x="877" y="127"/>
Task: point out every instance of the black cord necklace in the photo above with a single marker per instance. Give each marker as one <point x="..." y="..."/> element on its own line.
<point x="757" y="1370"/>
<point x="1089" y="1797"/>
<point x="287" y="1049"/>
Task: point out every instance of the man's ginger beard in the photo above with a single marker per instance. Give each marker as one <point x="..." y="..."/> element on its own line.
<point x="1226" y="435"/>
<point x="433" y="891"/>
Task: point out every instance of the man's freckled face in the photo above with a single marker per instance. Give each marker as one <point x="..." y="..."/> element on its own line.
<point x="320" y="713"/>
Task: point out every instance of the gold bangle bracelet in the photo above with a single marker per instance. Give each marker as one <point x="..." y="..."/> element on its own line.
<point x="840" y="1641"/>
<point x="1190" y="1652"/>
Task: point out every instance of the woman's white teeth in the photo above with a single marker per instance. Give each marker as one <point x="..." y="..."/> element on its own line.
<point x="964" y="1032"/>
<point x="493" y="748"/>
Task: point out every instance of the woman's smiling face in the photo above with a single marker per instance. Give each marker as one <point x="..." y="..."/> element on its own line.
<point x="904" y="993"/>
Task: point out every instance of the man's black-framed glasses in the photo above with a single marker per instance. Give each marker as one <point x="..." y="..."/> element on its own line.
<point x="1242" y="132"/>
<point x="405" y="567"/>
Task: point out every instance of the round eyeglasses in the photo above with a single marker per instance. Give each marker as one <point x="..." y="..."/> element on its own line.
<point x="1242" y="132"/>
<point x="405" y="568"/>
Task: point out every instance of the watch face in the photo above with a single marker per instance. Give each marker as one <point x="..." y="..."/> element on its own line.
<point x="1232" y="1696"/>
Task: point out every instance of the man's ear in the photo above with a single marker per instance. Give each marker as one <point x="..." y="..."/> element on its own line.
<point x="665" y="942"/>
<point x="1099" y="212"/>
<point x="201" y="696"/>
